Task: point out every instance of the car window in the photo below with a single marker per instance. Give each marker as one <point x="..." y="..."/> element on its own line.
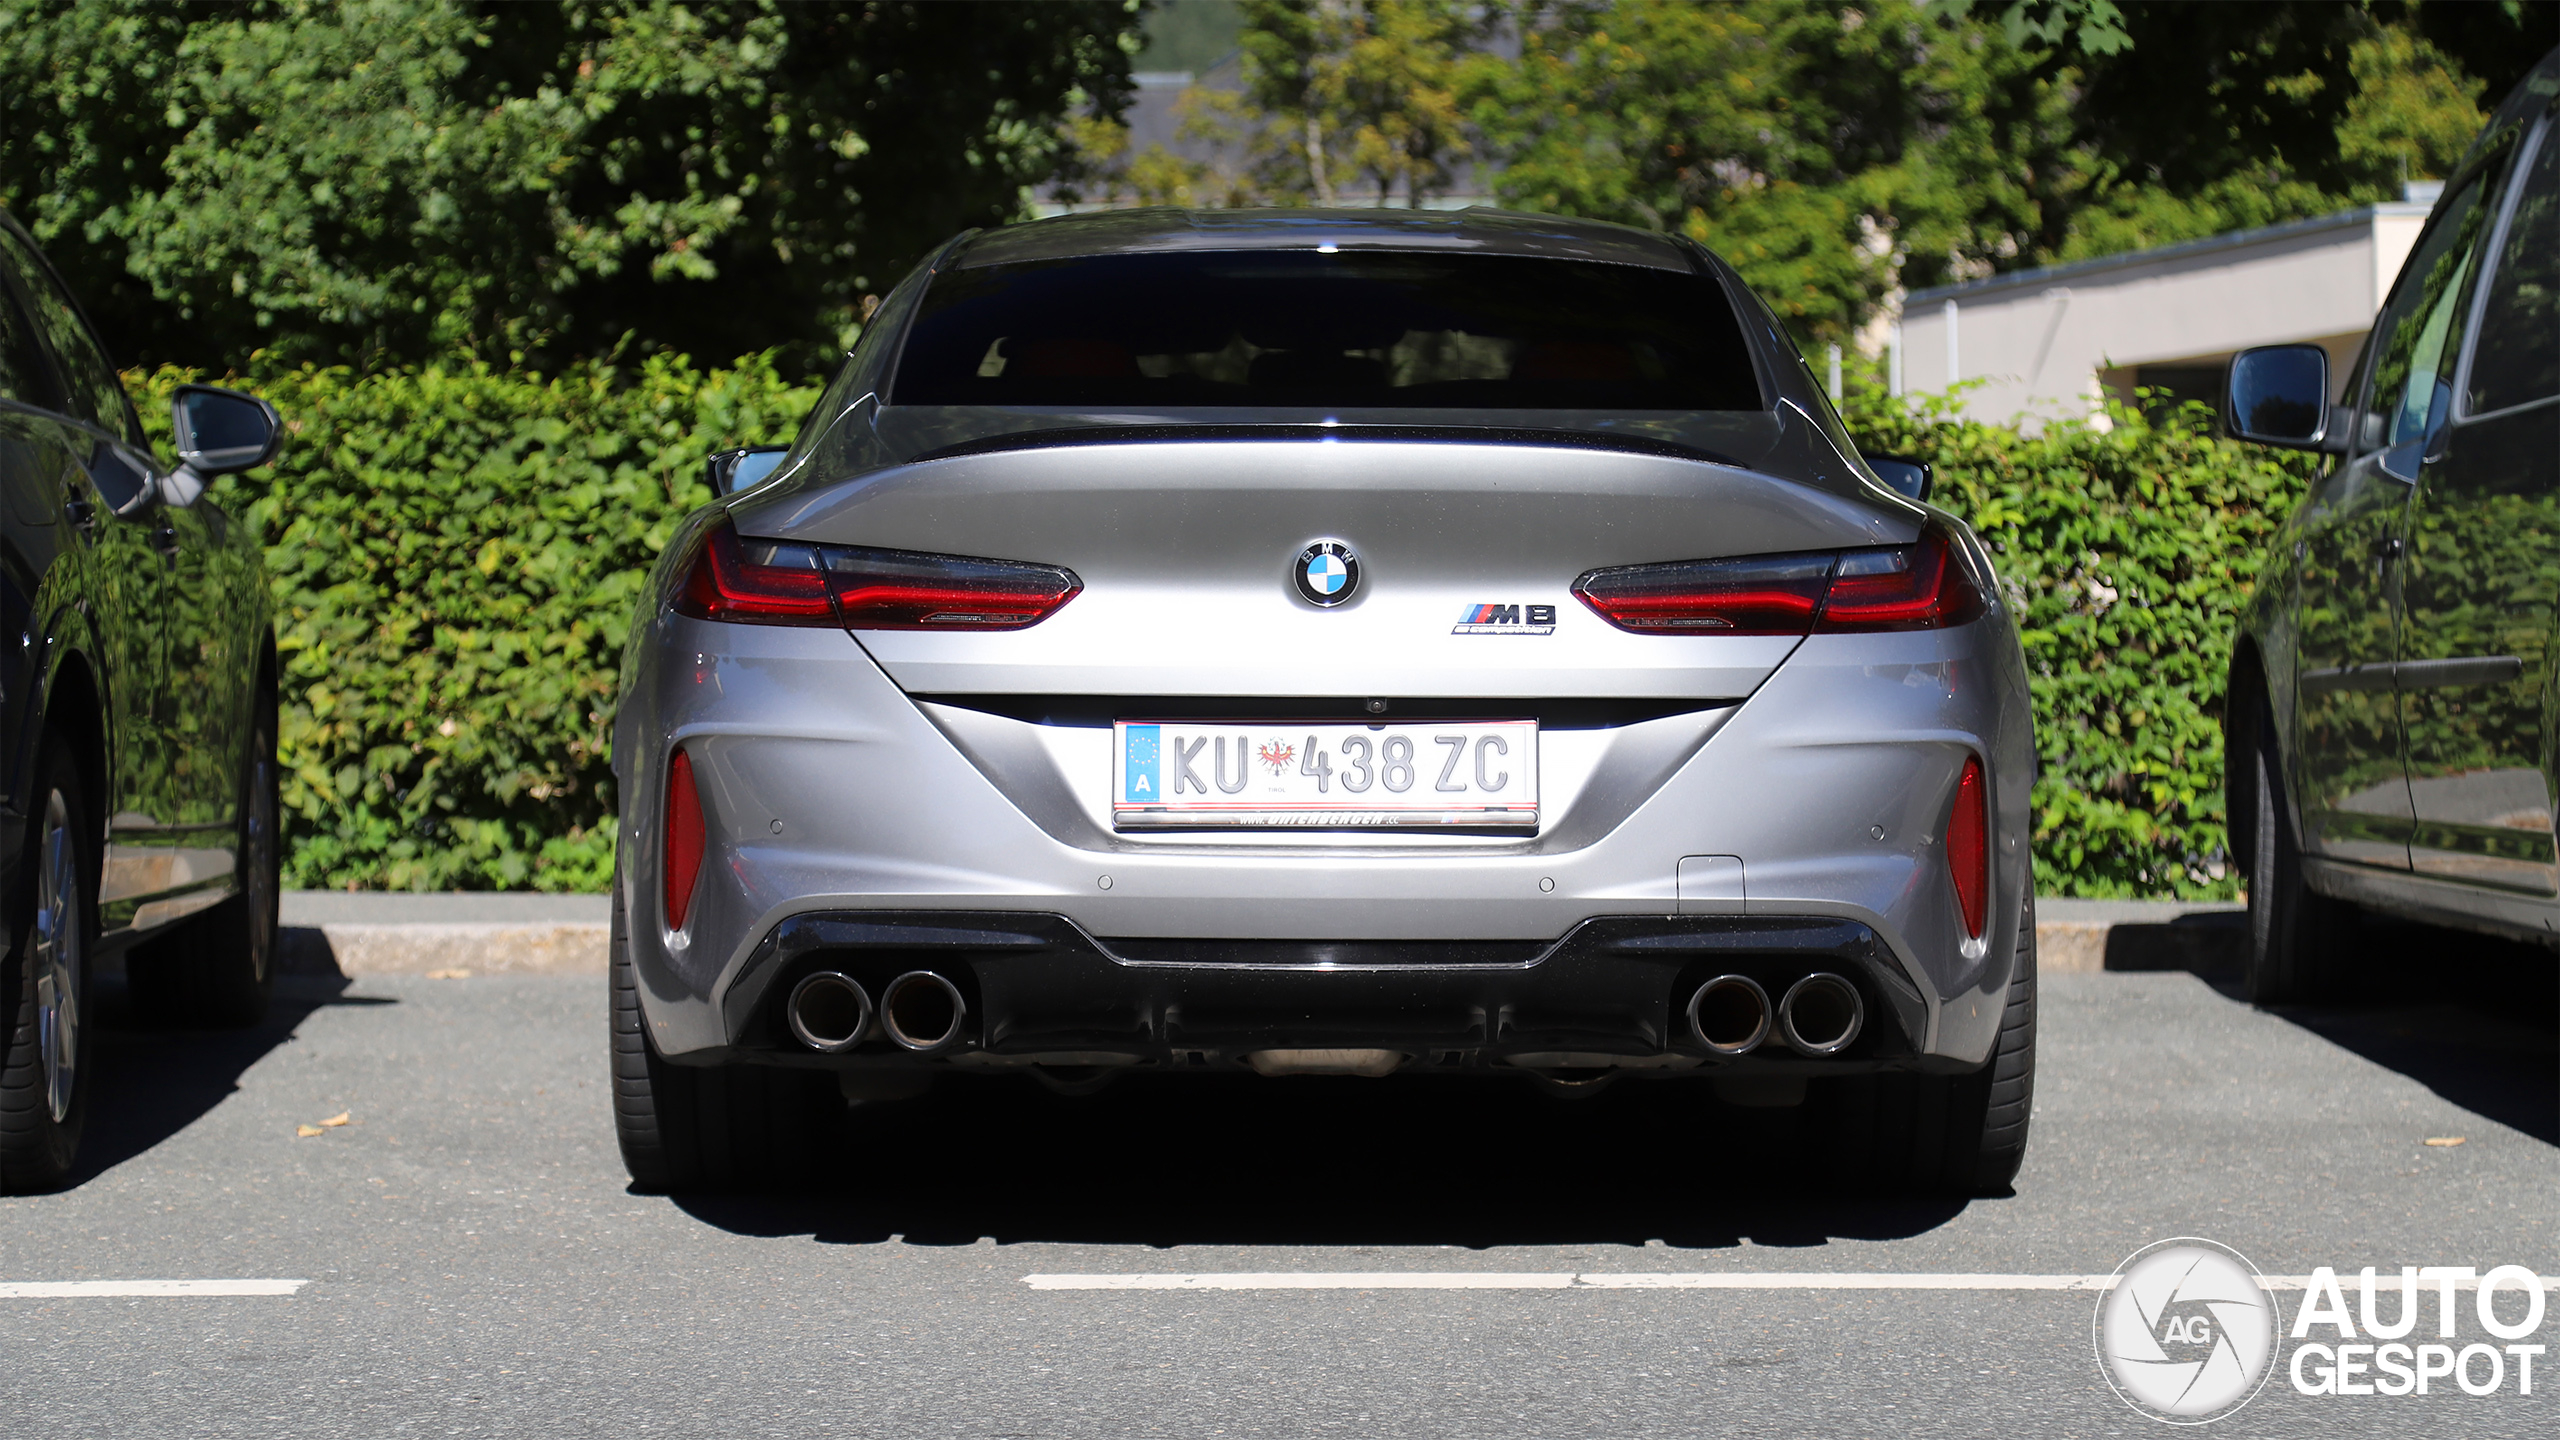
<point x="2421" y="334"/>
<point x="1303" y="328"/>
<point x="96" y="394"/>
<point x="2518" y="358"/>
<point x="23" y="374"/>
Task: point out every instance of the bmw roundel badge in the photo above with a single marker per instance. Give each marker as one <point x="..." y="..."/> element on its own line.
<point x="1327" y="572"/>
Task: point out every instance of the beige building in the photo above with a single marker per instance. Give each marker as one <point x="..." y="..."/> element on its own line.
<point x="2054" y="341"/>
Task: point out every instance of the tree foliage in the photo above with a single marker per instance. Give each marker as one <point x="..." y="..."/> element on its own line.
<point x="1344" y="102"/>
<point x="383" y="181"/>
<point x="1834" y="152"/>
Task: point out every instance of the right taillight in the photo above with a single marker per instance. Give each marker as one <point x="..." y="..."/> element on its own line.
<point x="684" y="838"/>
<point x="1921" y="586"/>
<point x="1756" y="595"/>
<point x="781" y="582"/>
<point x="1969" y="846"/>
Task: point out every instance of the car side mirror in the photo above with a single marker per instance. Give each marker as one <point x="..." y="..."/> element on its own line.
<point x="731" y="471"/>
<point x="2278" y="395"/>
<point x="1910" y="479"/>
<point x="222" y="431"/>
<point x="219" y="432"/>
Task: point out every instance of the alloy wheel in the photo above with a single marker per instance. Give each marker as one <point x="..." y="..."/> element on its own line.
<point x="57" y="956"/>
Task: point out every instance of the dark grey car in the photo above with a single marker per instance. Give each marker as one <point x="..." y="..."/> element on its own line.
<point x="2393" y="700"/>
<point x="137" y="714"/>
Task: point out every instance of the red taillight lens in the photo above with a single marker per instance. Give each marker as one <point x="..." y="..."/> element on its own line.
<point x="1757" y="595"/>
<point x="755" y="582"/>
<point x="901" y="590"/>
<point x="1969" y="846"/>
<point x="684" y="838"/>
<point x="775" y="582"/>
<point x="1907" y="587"/>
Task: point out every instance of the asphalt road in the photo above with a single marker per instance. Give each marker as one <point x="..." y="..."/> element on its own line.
<point x="476" y="1265"/>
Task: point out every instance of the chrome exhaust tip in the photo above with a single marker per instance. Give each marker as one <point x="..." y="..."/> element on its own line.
<point x="1730" y="1014"/>
<point x="828" y="1012"/>
<point x="1821" y="1014"/>
<point x="922" y="1011"/>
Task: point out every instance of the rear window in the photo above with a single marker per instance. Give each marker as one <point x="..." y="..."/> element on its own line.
<point x="1347" y="330"/>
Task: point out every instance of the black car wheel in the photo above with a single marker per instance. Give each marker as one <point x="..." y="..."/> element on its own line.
<point x="685" y="1127"/>
<point x="44" y="1073"/>
<point x="1961" y="1134"/>
<point x="2293" y="930"/>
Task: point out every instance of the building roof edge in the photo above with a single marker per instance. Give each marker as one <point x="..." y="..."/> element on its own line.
<point x="2237" y="239"/>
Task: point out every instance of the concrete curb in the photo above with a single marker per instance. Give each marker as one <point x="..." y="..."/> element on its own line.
<point x="341" y="933"/>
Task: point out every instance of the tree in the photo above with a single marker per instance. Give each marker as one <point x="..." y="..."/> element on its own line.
<point x="1828" y="152"/>
<point x="1344" y="101"/>
<point x="398" y="179"/>
<point x="1836" y="152"/>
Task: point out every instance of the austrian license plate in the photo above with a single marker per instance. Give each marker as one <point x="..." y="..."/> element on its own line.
<point x="1293" y="774"/>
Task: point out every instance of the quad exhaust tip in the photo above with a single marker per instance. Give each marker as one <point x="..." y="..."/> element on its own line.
<point x="828" y="1012"/>
<point x="1821" y="1014"/>
<point x="1730" y="1014"/>
<point x="922" y="1011"/>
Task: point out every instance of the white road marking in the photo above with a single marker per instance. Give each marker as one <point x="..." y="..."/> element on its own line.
<point x="1607" y="1280"/>
<point x="89" y="1289"/>
<point x="1564" y="1280"/>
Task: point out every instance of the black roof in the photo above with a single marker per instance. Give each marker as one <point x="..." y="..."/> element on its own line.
<point x="1165" y="228"/>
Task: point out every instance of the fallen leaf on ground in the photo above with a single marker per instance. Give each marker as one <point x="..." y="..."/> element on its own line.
<point x="448" y="974"/>
<point x="2443" y="1140"/>
<point x="305" y="1132"/>
<point x="341" y="1118"/>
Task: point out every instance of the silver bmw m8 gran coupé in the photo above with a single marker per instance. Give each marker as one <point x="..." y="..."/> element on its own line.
<point x="1324" y="642"/>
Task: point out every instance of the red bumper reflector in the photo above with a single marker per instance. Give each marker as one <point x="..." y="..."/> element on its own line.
<point x="782" y="582"/>
<point x="684" y="838"/>
<point x="1922" y="586"/>
<point x="1969" y="846"/>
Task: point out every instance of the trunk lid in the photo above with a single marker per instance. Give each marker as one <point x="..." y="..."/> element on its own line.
<point x="1187" y="548"/>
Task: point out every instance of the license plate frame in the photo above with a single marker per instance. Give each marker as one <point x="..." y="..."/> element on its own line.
<point x="1299" y="774"/>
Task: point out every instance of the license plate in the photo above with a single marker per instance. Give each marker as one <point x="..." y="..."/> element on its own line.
<point x="1292" y="774"/>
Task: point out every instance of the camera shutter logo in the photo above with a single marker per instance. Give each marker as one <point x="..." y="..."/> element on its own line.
<point x="2188" y="1333"/>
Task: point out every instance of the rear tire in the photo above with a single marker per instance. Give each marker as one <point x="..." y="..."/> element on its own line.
<point x="1965" y="1134"/>
<point x="684" y="1127"/>
<point x="219" y="969"/>
<point x="44" y="1072"/>
<point x="2293" y="930"/>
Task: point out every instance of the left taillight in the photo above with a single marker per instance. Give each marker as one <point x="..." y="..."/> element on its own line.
<point x="781" y="582"/>
<point x="684" y="838"/>
<point x="1921" y="586"/>
<point x="1969" y="846"/>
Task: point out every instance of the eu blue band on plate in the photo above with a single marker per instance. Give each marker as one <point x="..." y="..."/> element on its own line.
<point x="1139" y="780"/>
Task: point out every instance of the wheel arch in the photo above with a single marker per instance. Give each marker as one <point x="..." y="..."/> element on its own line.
<point x="74" y="707"/>
<point x="2248" y="704"/>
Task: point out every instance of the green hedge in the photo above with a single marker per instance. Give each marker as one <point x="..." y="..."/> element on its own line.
<point x="2128" y="547"/>
<point x="455" y="554"/>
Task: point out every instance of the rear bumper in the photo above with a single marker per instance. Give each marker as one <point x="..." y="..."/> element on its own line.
<point x="1041" y="990"/>
<point x="829" y="792"/>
